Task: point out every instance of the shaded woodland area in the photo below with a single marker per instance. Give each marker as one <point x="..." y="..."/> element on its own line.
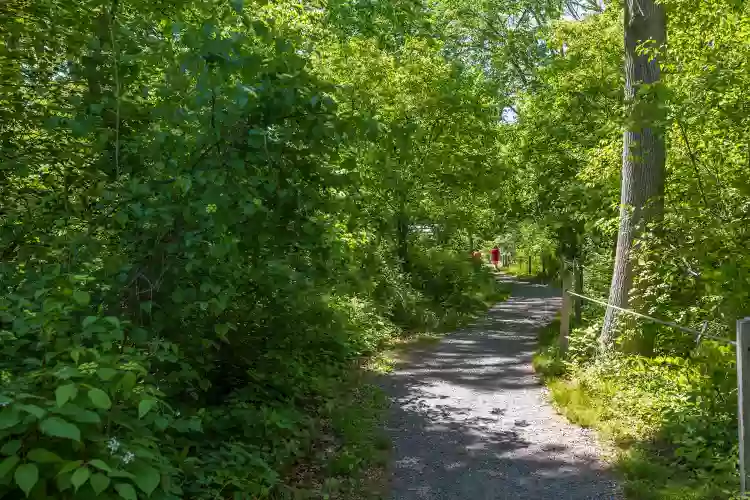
<point x="213" y="213"/>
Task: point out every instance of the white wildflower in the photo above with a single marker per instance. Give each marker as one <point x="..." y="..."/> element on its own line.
<point x="127" y="458"/>
<point x="113" y="444"/>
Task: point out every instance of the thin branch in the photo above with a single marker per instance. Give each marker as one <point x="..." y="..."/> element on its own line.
<point x="693" y="161"/>
<point x="571" y="6"/>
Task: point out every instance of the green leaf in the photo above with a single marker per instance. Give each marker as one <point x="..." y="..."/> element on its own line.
<point x="112" y="320"/>
<point x="89" y="320"/>
<point x="81" y="297"/>
<point x="221" y="330"/>
<point x="33" y="409"/>
<point x="8" y="418"/>
<point x="121" y="473"/>
<point x="100" y="464"/>
<point x="128" y="382"/>
<point x="11" y="447"/>
<point x="100" y="399"/>
<point x="69" y="466"/>
<point x="145" y="406"/>
<point x="67" y="372"/>
<point x="26" y="477"/>
<point x="126" y="491"/>
<point x="106" y="373"/>
<point x="99" y="482"/>
<point x="43" y="456"/>
<point x="65" y="393"/>
<point x="63" y="482"/>
<point x="7" y="465"/>
<point x="121" y="217"/>
<point x="78" y="414"/>
<point x="57" y="427"/>
<point x="80" y="477"/>
<point x="86" y="417"/>
<point x="147" y="479"/>
<point x="161" y="423"/>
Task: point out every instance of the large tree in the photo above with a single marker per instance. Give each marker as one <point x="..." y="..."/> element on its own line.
<point x="643" y="158"/>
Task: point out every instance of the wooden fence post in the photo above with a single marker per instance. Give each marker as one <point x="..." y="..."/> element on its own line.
<point x="743" y="392"/>
<point x="565" y="311"/>
<point x="578" y="279"/>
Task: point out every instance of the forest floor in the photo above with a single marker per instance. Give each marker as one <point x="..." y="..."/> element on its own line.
<point x="469" y="419"/>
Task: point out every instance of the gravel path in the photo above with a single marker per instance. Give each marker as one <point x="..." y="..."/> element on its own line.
<point x="470" y="420"/>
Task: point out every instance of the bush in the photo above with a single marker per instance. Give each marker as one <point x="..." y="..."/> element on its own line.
<point x="656" y="409"/>
<point x="96" y="405"/>
<point x="198" y="243"/>
<point x="455" y="288"/>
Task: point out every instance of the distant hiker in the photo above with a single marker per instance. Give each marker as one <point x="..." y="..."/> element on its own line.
<point x="495" y="256"/>
<point x="476" y="257"/>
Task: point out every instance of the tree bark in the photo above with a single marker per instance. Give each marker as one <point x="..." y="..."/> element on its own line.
<point x="642" y="190"/>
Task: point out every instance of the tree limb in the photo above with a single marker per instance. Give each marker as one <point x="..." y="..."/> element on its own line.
<point x="694" y="162"/>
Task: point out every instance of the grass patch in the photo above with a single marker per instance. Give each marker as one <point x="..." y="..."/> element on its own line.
<point x="547" y="361"/>
<point x="574" y="402"/>
<point x="670" y="422"/>
<point x="520" y="269"/>
<point x="654" y="462"/>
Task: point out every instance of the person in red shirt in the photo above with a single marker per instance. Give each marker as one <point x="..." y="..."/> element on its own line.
<point x="495" y="256"/>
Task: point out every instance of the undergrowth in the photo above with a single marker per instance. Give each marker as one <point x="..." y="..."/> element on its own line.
<point x="546" y="274"/>
<point x="255" y="414"/>
<point x="670" y="421"/>
<point x="348" y="459"/>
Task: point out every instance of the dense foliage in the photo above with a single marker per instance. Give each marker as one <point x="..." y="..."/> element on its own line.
<point x="210" y="211"/>
<point x="669" y="403"/>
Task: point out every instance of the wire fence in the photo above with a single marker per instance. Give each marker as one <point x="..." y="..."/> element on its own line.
<point x="700" y="334"/>
<point x="742" y="345"/>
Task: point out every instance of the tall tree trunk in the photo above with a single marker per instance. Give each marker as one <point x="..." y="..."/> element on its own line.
<point x="642" y="191"/>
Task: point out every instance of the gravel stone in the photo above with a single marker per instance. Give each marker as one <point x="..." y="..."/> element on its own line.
<point x="470" y="420"/>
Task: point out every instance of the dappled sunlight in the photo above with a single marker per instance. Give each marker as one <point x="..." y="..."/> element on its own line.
<point x="469" y="417"/>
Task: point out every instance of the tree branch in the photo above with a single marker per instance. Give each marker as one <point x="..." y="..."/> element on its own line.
<point x="694" y="162"/>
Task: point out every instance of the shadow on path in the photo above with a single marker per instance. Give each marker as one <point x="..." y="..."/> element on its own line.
<point x="470" y="420"/>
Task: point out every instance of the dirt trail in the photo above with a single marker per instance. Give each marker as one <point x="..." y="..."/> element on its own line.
<point x="470" y="420"/>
